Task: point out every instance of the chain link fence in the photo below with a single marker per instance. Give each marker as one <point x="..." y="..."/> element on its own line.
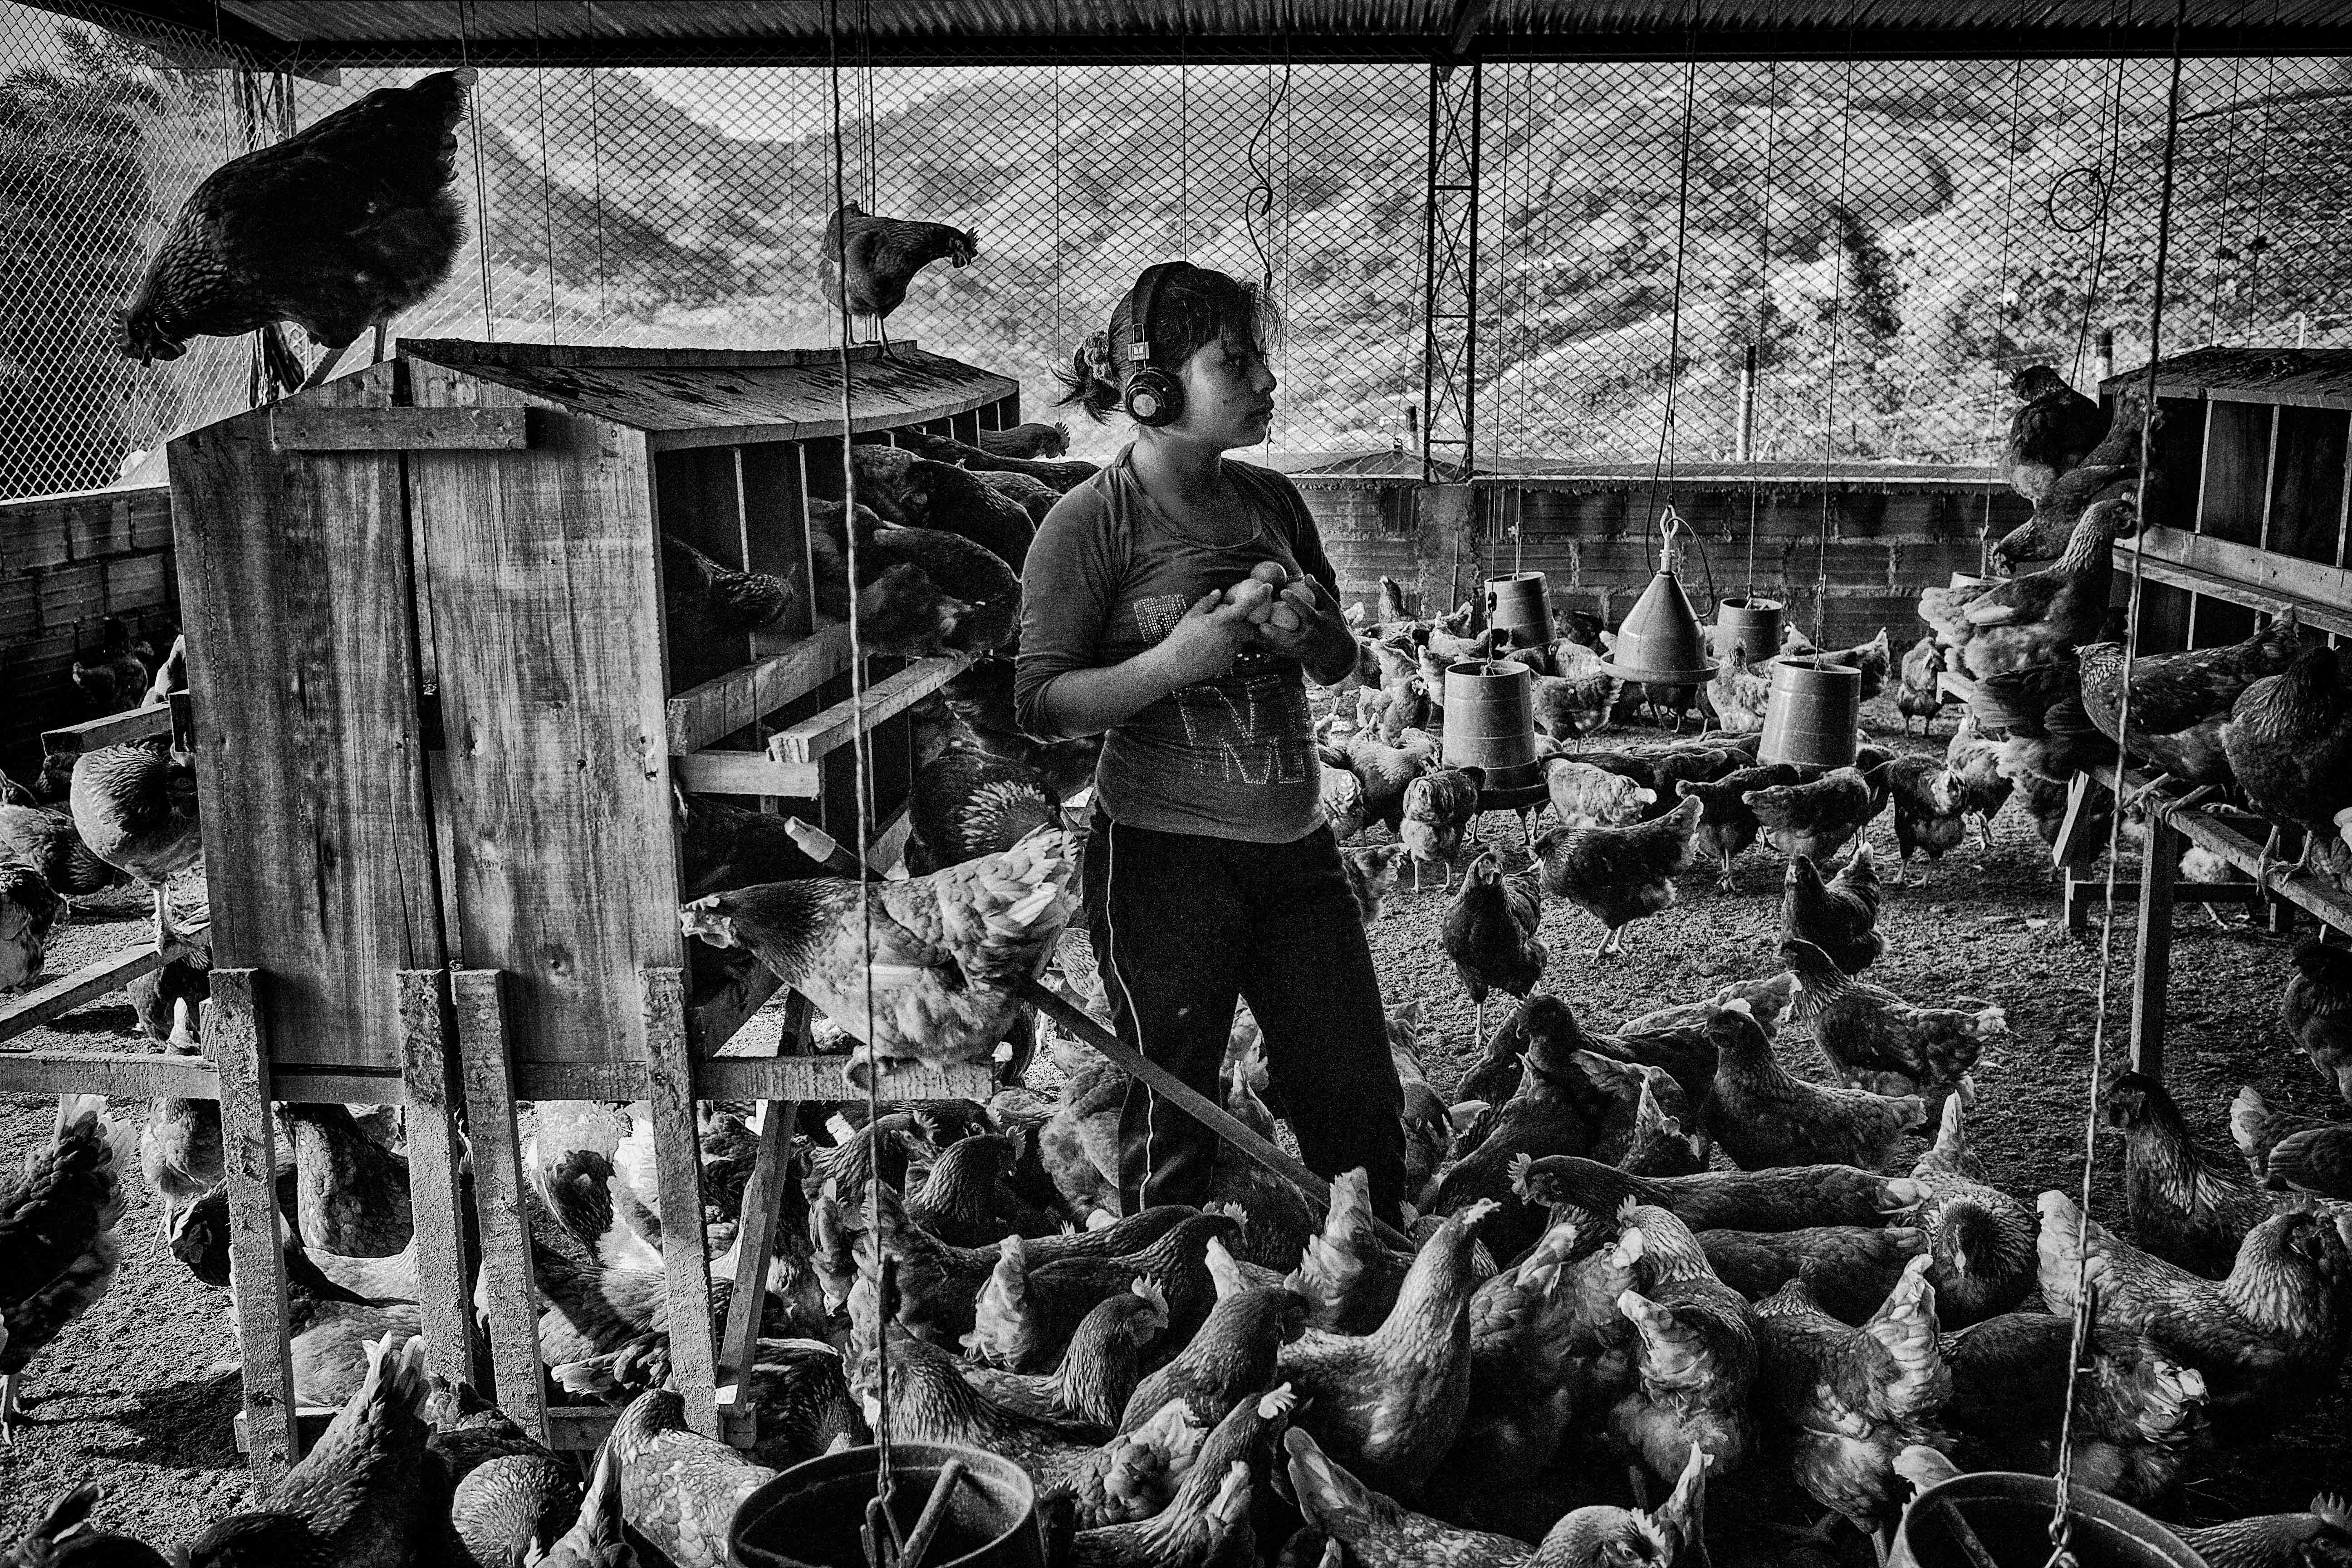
<point x="1890" y="238"/>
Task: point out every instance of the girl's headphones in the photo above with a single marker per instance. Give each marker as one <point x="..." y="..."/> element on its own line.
<point x="1151" y="397"/>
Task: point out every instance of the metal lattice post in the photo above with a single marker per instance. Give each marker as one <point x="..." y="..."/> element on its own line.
<point x="1449" y="351"/>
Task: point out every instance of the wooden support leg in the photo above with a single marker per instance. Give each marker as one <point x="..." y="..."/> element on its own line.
<point x="2159" y="865"/>
<point x="510" y="1291"/>
<point x="232" y="1033"/>
<point x="444" y="1277"/>
<point x="677" y="1164"/>
<point x="755" y="1242"/>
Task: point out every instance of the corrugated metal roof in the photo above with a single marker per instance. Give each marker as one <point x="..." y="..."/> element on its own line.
<point x="328" y="33"/>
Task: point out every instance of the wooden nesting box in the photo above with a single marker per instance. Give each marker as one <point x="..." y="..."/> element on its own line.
<point x="442" y="724"/>
<point x="2257" y="494"/>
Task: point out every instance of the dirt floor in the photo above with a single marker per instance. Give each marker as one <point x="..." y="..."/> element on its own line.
<point x="129" y="1398"/>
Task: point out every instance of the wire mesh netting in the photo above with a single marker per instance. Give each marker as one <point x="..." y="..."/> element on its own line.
<point x="1891" y="238"/>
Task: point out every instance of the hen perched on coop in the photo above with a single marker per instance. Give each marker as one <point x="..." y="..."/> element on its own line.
<point x="338" y="228"/>
<point x="946" y="949"/>
<point x="880" y="256"/>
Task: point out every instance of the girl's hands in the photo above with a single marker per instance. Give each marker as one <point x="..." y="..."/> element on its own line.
<point x="1305" y="623"/>
<point x="1203" y="643"/>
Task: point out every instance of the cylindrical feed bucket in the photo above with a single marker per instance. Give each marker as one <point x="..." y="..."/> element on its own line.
<point x="2005" y="1517"/>
<point x="1519" y="607"/>
<point x="1752" y="625"/>
<point x="808" y="1516"/>
<point x="1812" y="714"/>
<point x="1490" y="721"/>
<point x="1660" y="642"/>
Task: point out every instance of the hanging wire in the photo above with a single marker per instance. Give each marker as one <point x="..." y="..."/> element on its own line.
<point x="1183" y="152"/>
<point x="596" y="166"/>
<point x="860" y="753"/>
<point x="2222" y="250"/>
<point x="1674" y="318"/>
<point x="481" y="191"/>
<point x="1829" y="390"/>
<point x="1060" y="343"/>
<point x="2061" y="1522"/>
<point x="2260" y="244"/>
<point x="1763" y="296"/>
<point x="2000" y="304"/>
<point x="546" y="177"/>
<point x="2113" y="132"/>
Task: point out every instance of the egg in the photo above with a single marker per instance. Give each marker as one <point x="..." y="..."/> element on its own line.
<point x="1283" y="618"/>
<point x="1252" y="593"/>
<point x="1270" y="572"/>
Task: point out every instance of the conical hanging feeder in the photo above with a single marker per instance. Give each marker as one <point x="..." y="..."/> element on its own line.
<point x="1812" y="716"/>
<point x="1661" y="642"/>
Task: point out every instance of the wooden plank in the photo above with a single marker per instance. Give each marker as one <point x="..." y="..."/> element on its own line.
<point x="713" y="1022"/>
<point x="745" y="773"/>
<point x="236" y="1038"/>
<point x="677" y="1165"/>
<point x="55" y="997"/>
<point x="828" y="731"/>
<point x="753" y="1077"/>
<point x="113" y="729"/>
<point x="297" y="424"/>
<point x="559" y="805"/>
<point x="755" y="1234"/>
<point x="510" y="1286"/>
<point x="2319" y="615"/>
<point x="295" y="584"/>
<point x="125" y="1075"/>
<point x="2152" y="961"/>
<point x="1312" y="1187"/>
<point x="436" y="1153"/>
<point x="2077" y="846"/>
<point x="726" y="703"/>
<point x="2207" y="831"/>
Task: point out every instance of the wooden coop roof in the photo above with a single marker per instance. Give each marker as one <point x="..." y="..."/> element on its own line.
<point x="712" y="397"/>
<point x="318" y="36"/>
<point x="2299" y="378"/>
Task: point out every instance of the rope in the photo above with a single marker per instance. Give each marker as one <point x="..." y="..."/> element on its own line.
<point x="1829" y="388"/>
<point x="2061" y="1520"/>
<point x="481" y="191"/>
<point x="859" y="753"/>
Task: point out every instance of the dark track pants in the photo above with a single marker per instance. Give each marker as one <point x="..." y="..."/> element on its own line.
<point x="1183" y="923"/>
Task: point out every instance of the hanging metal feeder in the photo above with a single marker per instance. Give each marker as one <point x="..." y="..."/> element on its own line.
<point x="1490" y="721"/>
<point x="977" y="1510"/>
<point x="1751" y="626"/>
<point x="1519" y="606"/>
<point x="1661" y="642"/>
<point x="2001" y="1519"/>
<point x="1813" y="715"/>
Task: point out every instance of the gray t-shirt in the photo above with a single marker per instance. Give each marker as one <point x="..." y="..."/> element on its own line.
<point x="1108" y="577"/>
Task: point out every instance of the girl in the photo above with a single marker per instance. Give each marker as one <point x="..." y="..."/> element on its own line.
<point x="1150" y="612"/>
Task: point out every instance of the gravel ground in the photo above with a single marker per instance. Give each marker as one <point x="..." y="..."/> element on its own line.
<point x="128" y="1397"/>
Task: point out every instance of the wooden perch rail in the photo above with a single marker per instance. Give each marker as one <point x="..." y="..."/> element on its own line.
<point x="1193" y="1103"/>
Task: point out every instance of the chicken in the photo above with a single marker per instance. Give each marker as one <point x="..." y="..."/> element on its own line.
<point x="180" y="1148"/>
<point x="972" y="573"/>
<point x="354" y="1500"/>
<point x="966" y="804"/>
<point x="1347" y="1275"/>
<point x="717" y="600"/>
<point x="1439" y="807"/>
<point x="1106" y="1359"/>
<point x="2289" y="742"/>
<point x="135" y="808"/>
<point x="2269" y="1338"/>
<point x="877" y="258"/>
<point x="2316" y="1159"/>
<point x="968" y="1200"/>
<point x="114" y="675"/>
<point x="353" y="1193"/>
<point x="64" y="1538"/>
<point x="1586" y="796"/>
<point x="28" y="914"/>
<point x="1790" y="1198"/>
<point x="2185" y="1205"/>
<point x="1386" y="772"/>
<point x="1490" y="932"/>
<point x="1848" y="1268"/>
<point x="1875" y="1040"/>
<point x="1695" y="1357"/>
<point x="1978" y="786"/>
<point x="2037" y="618"/>
<point x="2257" y="1128"/>
<point x="1979" y="1239"/>
<point x="2316" y="1009"/>
<point x="513" y="1500"/>
<point x="1762" y="1115"/>
<point x="2139" y="1413"/>
<point x="1557" y="1111"/>
<point x="1025" y="1313"/>
<point x="2052" y="432"/>
<point x="1919" y="692"/>
<point x="1815" y="817"/>
<point x="44" y="838"/>
<point x="2319" y="1537"/>
<point x="1391" y="1401"/>
<point x="1231" y="1359"/>
<point x="1741" y="690"/>
<point x="1523" y="1389"/>
<point x="1371" y="870"/>
<point x="1207" y="1523"/>
<point x="947" y="948"/>
<point x="679" y="1489"/>
<point x="1846" y="1401"/>
<point x="1131" y="1476"/>
<point x="338" y="228"/>
<point x="1840" y="916"/>
<point x="2180" y="702"/>
<point x="597" y="1539"/>
<point x="2112" y="468"/>
<point x="1727" y="825"/>
<point x="1377" y="1532"/>
<point x="898" y="610"/>
<point x="1929" y="813"/>
<point x="1570" y="704"/>
<point x="1030" y="440"/>
<point x="1619" y="875"/>
<point x="1871" y="660"/>
<point x="58" y="1245"/>
<point x="1059" y="476"/>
